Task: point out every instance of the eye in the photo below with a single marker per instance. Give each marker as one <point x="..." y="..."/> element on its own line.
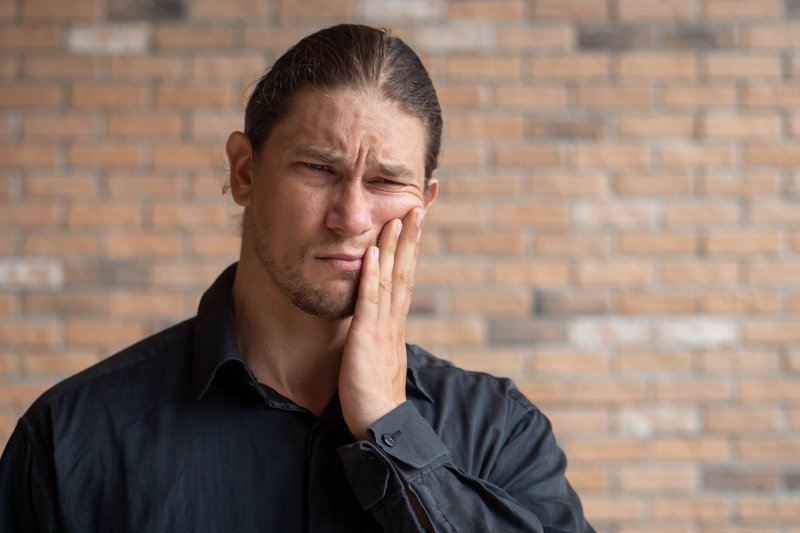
<point x="318" y="168"/>
<point x="387" y="182"/>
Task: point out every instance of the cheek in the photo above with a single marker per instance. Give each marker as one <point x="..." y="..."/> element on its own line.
<point x="394" y="206"/>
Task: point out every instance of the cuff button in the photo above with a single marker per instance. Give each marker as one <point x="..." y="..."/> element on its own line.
<point x="388" y="440"/>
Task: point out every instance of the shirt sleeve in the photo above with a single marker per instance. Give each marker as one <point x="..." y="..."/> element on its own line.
<point x="26" y="492"/>
<point x="405" y="476"/>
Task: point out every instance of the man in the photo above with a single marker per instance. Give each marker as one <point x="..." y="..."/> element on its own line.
<point x="291" y="401"/>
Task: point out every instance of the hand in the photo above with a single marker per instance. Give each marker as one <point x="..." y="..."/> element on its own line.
<point x="372" y="376"/>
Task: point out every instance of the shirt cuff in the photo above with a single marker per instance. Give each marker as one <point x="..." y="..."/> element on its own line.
<point x="401" y="446"/>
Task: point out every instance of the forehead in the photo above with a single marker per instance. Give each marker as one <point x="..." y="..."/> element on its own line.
<point x="352" y="123"/>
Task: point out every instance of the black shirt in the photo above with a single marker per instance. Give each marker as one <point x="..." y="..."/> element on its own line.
<point x="174" y="434"/>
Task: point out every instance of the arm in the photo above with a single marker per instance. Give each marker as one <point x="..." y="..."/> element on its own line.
<point x="400" y="469"/>
<point x="27" y="498"/>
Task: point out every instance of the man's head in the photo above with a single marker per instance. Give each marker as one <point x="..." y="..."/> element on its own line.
<point x="347" y="56"/>
<point x="341" y="136"/>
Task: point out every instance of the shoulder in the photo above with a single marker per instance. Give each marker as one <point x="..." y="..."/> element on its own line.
<point x="130" y="370"/>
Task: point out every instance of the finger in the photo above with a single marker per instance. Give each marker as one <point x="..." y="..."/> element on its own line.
<point x="405" y="261"/>
<point x="366" y="310"/>
<point x="387" y="244"/>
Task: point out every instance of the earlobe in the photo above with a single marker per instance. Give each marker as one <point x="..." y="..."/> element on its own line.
<point x="240" y="159"/>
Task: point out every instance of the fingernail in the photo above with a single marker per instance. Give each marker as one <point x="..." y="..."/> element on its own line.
<point x="375" y="252"/>
<point x="398" y="228"/>
<point x="420" y="218"/>
<point x="419" y="235"/>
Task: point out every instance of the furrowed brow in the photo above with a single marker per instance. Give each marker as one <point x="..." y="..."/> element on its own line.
<point x="325" y="156"/>
<point x="395" y="171"/>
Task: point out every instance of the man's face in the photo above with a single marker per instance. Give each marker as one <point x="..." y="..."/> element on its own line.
<point x="334" y="170"/>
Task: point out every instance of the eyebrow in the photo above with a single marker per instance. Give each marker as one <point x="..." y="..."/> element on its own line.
<point x="394" y="170"/>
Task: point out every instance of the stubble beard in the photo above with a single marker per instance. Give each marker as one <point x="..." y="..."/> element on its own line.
<point x="302" y="292"/>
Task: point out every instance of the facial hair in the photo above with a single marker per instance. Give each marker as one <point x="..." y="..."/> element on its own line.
<point x="301" y="291"/>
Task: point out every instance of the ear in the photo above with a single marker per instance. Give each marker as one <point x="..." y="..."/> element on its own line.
<point x="431" y="192"/>
<point x="241" y="163"/>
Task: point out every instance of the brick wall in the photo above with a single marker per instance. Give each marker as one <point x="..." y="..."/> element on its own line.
<point x="618" y="227"/>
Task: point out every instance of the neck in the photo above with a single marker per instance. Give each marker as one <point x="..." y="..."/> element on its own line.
<point x="295" y="353"/>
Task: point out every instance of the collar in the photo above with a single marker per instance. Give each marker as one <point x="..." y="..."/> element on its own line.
<point x="215" y="339"/>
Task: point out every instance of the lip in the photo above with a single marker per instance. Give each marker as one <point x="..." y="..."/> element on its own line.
<point x="343" y="261"/>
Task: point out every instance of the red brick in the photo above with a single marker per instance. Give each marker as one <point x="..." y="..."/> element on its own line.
<point x="102" y="333"/>
<point x="29" y="96"/>
<point x="745" y="67"/>
<point x="770" y="451"/>
<point x="655" y="10"/>
<point x="650" y="244"/>
<point x="105" y="155"/>
<point x="127" y="185"/>
<point x="568" y="362"/>
<point x="699" y="214"/>
<point x="693" y="96"/>
<point x="639" y="361"/>
<point x="245" y="10"/>
<point x="577" y="419"/>
<point x="612" y="156"/>
<point x="741" y="303"/>
<point x="225" y="245"/>
<point x="742" y="126"/>
<point x="193" y="37"/>
<point x="132" y="245"/>
<point x="32" y="214"/>
<point x="655" y="186"/>
<point x="21" y="395"/>
<point x="765" y="510"/>
<point x="572" y="10"/>
<point x="701" y="510"/>
<point x="773" y="273"/>
<point x="190" y="216"/>
<point x="694" y="390"/>
<point x="448" y="273"/>
<point x="241" y="67"/>
<point x="771" y="96"/>
<point x="31" y="37"/>
<point x="741" y="420"/>
<point x="57" y="363"/>
<point x="458" y="96"/>
<point x="503" y="243"/>
<point x="316" y="9"/>
<point x="569" y="185"/>
<point x="146" y="305"/>
<point x="554" y="36"/>
<point x="615" y="215"/>
<point x="462" y="215"/>
<point x="571" y="245"/>
<point x="649" y="66"/>
<point x="175" y="97"/>
<point x="771" y="332"/>
<point x="697" y="155"/>
<point x="450" y="332"/>
<point x="656" y="304"/>
<point x="581" y="67"/>
<point x="773" y="156"/>
<point x="28" y="155"/>
<point x="771" y="35"/>
<point x="744" y="243"/>
<point x="464" y="156"/>
<point x="59" y="244"/>
<point x="490" y="303"/>
<point x="65" y="125"/>
<point x="138" y="68"/>
<point x="648" y="126"/>
<point x="161" y="125"/>
<point x="30" y="333"/>
<point x="550" y="214"/>
<point x="603" y="98"/>
<point x="110" y="214"/>
<point x="614" y="273"/>
<point x="529" y="155"/>
<point x="54" y="9"/>
<point x="498" y="361"/>
<point x="483" y="67"/>
<point x="186" y="155"/>
<point x="751" y="184"/>
<point x="480" y="10"/>
<point x="530" y="274"/>
<point x="277" y="38"/>
<point x="696" y="272"/>
<point x="614" y="510"/>
<point x="481" y="126"/>
<point x="109" y="97"/>
<point x="60" y="67"/>
<point x="742" y="9"/>
<point x="701" y="450"/>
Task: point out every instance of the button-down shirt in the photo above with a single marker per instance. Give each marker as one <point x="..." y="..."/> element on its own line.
<point x="175" y="434"/>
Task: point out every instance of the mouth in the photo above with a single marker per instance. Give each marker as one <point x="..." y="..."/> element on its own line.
<point x="343" y="262"/>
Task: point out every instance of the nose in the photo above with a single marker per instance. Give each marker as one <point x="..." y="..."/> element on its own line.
<point x="349" y="211"/>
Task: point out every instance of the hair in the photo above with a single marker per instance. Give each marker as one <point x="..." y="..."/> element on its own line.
<point x="347" y="56"/>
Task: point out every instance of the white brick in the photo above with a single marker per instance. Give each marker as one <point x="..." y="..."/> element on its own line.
<point x="455" y="37"/>
<point x="31" y="273"/>
<point x="644" y="421"/>
<point x="117" y="39"/>
<point x="697" y="332"/>
<point x="401" y="9"/>
<point x="607" y="332"/>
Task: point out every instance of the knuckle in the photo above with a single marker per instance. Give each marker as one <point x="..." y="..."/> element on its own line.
<point x="386" y="286"/>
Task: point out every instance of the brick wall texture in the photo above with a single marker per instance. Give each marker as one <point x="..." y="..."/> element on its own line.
<point x="618" y="227"/>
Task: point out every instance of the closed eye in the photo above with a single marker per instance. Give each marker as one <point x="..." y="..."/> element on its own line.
<point x="318" y="168"/>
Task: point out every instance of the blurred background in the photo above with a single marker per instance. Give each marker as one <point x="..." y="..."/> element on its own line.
<point x="618" y="228"/>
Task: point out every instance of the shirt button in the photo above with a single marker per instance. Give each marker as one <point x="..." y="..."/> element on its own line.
<point x="388" y="440"/>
